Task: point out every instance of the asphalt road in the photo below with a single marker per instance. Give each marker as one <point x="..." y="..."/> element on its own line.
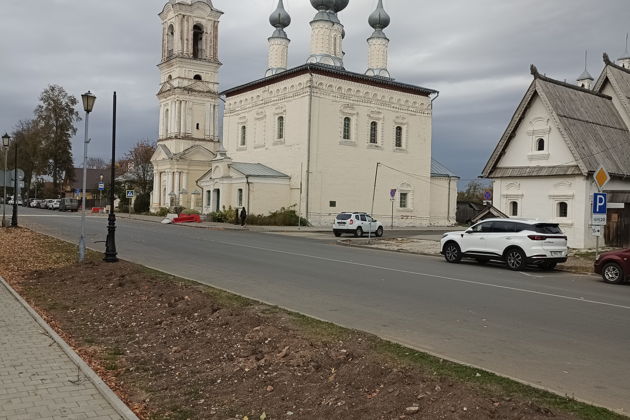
<point x="564" y="332"/>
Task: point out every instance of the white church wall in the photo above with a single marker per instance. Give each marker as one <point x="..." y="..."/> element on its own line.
<point x="443" y="201"/>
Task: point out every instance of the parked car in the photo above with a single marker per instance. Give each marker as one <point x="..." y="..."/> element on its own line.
<point x="69" y="204"/>
<point x="44" y="203"/>
<point x="55" y="204"/>
<point x="48" y="203"/>
<point x="517" y="242"/>
<point x="11" y="202"/>
<point x="35" y="203"/>
<point x="614" y="266"/>
<point x="357" y="223"/>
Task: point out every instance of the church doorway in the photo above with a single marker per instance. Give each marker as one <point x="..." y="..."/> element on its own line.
<point x="216" y="200"/>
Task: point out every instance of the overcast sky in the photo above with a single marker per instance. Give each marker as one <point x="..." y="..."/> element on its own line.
<point x="476" y="53"/>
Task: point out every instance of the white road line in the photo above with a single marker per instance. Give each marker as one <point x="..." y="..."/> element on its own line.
<point x="415" y="273"/>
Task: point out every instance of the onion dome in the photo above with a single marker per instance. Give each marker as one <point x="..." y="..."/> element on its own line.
<point x="379" y="19"/>
<point x="340" y="5"/>
<point x="323" y="5"/>
<point x="280" y="19"/>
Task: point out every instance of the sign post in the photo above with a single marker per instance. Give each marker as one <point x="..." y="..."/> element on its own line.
<point x="392" y="197"/>
<point x="130" y="195"/>
<point x="600" y="205"/>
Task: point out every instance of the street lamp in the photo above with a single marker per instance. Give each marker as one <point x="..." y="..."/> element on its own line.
<point x="88" y="104"/>
<point x="14" y="219"/>
<point x="110" y="242"/>
<point x="6" y="140"/>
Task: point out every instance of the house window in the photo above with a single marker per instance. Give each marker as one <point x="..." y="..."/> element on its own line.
<point x="280" y="134"/>
<point x="346" y="128"/>
<point x="513" y="208"/>
<point x="540" y="145"/>
<point x="197" y="77"/>
<point x="197" y="41"/>
<point x="404" y="200"/>
<point x="399" y="140"/>
<point x="563" y="209"/>
<point x="333" y="204"/>
<point x="373" y="132"/>
<point x="240" y="197"/>
<point x="197" y="126"/>
<point x="243" y="136"/>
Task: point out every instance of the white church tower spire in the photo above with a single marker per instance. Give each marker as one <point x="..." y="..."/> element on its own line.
<point x="378" y="43"/>
<point x="278" y="42"/>
<point x="624" y="61"/>
<point x="327" y="33"/>
<point x="585" y="80"/>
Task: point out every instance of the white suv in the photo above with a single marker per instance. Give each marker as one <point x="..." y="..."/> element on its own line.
<point x="517" y="242"/>
<point x="357" y="223"/>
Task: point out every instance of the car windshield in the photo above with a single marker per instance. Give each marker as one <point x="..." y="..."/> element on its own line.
<point x="547" y="228"/>
<point x="344" y="216"/>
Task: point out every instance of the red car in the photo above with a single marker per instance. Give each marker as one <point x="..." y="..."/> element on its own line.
<point x="614" y="266"/>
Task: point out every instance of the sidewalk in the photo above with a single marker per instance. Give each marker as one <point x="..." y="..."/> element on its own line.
<point x="41" y="377"/>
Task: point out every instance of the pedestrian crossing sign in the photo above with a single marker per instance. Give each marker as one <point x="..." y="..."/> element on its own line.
<point x="130" y="193"/>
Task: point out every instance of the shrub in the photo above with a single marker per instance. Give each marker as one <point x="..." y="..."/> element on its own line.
<point x="224" y="216"/>
<point x="162" y="212"/>
<point x="142" y="203"/>
<point x="178" y="210"/>
<point x="190" y="211"/>
<point x="282" y="217"/>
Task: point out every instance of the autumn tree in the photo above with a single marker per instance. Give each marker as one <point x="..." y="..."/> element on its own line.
<point x="56" y="117"/>
<point x="96" y="163"/>
<point x="473" y="193"/>
<point x="138" y="162"/>
<point x="29" y="142"/>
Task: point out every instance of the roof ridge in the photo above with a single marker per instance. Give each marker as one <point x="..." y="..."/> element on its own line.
<point x="592" y="122"/>
<point x="539" y="76"/>
<point x="614" y="65"/>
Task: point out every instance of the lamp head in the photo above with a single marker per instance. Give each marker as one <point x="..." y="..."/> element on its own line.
<point x="6" y="140"/>
<point x="88" y="101"/>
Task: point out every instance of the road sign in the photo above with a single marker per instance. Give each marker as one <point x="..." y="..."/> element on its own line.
<point x="131" y="193"/>
<point x="487" y="195"/>
<point x="599" y="203"/>
<point x="599" y="220"/>
<point x="601" y="177"/>
<point x="101" y="186"/>
<point x="392" y="193"/>
<point x="597" y="231"/>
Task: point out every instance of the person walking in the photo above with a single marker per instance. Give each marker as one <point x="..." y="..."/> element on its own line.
<point x="243" y="216"/>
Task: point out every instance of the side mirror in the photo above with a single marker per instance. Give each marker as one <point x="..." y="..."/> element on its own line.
<point x="469" y="231"/>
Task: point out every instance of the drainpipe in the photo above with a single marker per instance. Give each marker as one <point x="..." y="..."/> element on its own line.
<point x="308" y="144"/>
<point x="248" y="184"/>
<point x="448" y="205"/>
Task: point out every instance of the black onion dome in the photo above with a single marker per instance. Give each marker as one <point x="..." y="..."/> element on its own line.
<point x="280" y="18"/>
<point x="323" y="5"/>
<point x="379" y="19"/>
<point x="340" y="5"/>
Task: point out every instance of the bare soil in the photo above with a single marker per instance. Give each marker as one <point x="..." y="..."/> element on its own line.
<point x="176" y="350"/>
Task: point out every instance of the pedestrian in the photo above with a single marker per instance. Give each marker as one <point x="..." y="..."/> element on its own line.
<point x="243" y="216"/>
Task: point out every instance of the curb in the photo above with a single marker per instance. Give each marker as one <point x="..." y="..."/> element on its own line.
<point x="109" y="395"/>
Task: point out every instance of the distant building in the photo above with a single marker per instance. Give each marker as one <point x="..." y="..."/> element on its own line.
<point x="73" y="185"/>
<point x="559" y="136"/>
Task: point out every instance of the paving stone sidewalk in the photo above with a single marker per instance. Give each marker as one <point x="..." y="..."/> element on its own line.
<point x="38" y="380"/>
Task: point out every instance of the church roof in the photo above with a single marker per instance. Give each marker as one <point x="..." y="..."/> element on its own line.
<point x="589" y="122"/>
<point x="440" y="171"/>
<point x="618" y="76"/>
<point x="332" y="71"/>
<point x="257" y="170"/>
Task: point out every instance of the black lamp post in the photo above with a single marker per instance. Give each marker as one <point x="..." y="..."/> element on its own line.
<point x="110" y="243"/>
<point x="14" y="218"/>
<point x="6" y="141"/>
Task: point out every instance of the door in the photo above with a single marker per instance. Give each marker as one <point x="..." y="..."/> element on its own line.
<point x="473" y="240"/>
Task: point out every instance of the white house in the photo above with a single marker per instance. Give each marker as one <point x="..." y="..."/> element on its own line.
<point x="317" y="138"/>
<point x="559" y="136"/>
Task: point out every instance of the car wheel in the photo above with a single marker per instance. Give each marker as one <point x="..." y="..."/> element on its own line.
<point x="613" y="273"/>
<point x="379" y="231"/>
<point x="358" y="233"/>
<point x="515" y="259"/>
<point x="548" y="265"/>
<point x="483" y="261"/>
<point x="452" y="252"/>
<point x="337" y="233"/>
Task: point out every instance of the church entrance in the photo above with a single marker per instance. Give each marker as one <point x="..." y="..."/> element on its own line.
<point x="216" y="200"/>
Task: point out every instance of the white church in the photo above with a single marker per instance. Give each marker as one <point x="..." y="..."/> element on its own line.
<point x="313" y="138"/>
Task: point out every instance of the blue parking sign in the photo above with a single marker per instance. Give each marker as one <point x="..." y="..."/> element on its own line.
<point x="599" y="203"/>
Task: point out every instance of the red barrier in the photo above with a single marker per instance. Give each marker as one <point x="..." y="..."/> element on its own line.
<point x="187" y="218"/>
<point x="96" y="209"/>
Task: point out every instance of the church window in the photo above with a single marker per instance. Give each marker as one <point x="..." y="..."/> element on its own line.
<point x="563" y="209"/>
<point x="513" y="208"/>
<point x="197" y="77"/>
<point x="243" y="136"/>
<point x="404" y="200"/>
<point x="197" y="41"/>
<point x="332" y="204"/>
<point x="240" y="197"/>
<point x="373" y="132"/>
<point x="399" y="137"/>
<point x="280" y="134"/>
<point x="197" y="126"/>
<point x="170" y="38"/>
<point x="346" y="128"/>
<point x="166" y="119"/>
<point x="540" y="145"/>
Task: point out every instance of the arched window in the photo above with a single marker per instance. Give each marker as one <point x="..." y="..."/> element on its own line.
<point x="197" y="41"/>
<point x="513" y="208"/>
<point x="197" y="77"/>
<point x="170" y="39"/>
<point x="563" y="209"/>
<point x="540" y="145"/>
<point x="346" y="128"/>
<point x="166" y="119"/>
<point x="399" y="141"/>
<point x="243" y="135"/>
<point x="280" y="134"/>
<point x="373" y="132"/>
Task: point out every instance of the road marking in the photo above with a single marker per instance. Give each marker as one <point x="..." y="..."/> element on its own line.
<point x="416" y="273"/>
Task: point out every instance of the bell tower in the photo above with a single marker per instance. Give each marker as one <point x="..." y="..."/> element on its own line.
<point x="189" y="75"/>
